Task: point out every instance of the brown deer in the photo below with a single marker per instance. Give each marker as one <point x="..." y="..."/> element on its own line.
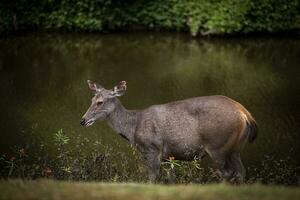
<point x="213" y="125"/>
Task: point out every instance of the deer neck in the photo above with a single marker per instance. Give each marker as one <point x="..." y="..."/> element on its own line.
<point x="123" y="121"/>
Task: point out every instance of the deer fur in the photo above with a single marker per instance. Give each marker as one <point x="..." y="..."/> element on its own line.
<point x="210" y="125"/>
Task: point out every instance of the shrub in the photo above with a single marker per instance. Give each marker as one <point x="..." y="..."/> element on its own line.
<point x="73" y="159"/>
<point x="195" y="16"/>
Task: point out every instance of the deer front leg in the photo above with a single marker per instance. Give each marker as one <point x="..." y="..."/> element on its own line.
<point x="149" y="144"/>
<point x="153" y="161"/>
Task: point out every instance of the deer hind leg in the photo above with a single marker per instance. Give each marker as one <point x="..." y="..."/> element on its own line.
<point x="238" y="168"/>
<point x="221" y="162"/>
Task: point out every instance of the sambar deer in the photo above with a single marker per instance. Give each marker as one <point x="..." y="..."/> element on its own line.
<point x="213" y="125"/>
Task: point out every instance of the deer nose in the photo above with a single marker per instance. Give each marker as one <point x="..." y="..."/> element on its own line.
<point x="82" y="121"/>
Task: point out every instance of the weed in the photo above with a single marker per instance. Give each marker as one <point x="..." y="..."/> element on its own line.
<point x="72" y="160"/>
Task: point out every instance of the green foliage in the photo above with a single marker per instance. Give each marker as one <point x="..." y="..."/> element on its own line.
<point x="228" y="16"/>
<point x="196" y="16"/>
<point x="72" y="160"/>
<point x="61" y="138"/>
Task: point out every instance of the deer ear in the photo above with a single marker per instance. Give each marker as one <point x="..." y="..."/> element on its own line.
<point x="95" y="87"/>
<point x="119" y="89"/>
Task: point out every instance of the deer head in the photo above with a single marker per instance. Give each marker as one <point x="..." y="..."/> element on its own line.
<point x="103" y="102"/>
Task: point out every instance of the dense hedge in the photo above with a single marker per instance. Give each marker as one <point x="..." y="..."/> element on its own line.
<point x="196" y="16"/>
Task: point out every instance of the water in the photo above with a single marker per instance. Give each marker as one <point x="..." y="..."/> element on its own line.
<point x="43" y="82"/>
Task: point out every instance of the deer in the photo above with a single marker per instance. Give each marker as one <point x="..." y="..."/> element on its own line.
<point x="217" y="126"/>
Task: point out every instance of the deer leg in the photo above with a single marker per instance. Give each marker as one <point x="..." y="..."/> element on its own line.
<point x="202" y="153"/>
<point x="153" y="161"/>
<point x="221" y="164"/>
<point x="239" y="170"/>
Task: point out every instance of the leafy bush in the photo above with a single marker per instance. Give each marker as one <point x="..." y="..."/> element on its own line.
<point x="195" y="16"/>
<point x="72" y="160"/>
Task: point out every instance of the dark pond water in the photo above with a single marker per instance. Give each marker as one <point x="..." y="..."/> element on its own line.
<point x="43" y="82"/>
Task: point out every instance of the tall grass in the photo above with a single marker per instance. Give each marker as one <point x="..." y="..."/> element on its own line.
<point x="72" y="159"/>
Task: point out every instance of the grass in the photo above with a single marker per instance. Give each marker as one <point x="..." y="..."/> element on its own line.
<point x="50" y="189"/>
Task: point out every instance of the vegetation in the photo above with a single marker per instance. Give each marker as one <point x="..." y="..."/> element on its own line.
<point x="73" y="160"/>
<point x="43" y="189"/>
<point x="196" y="16"/>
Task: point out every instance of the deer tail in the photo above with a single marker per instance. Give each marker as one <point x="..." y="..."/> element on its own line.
<point x="251" y="127"/>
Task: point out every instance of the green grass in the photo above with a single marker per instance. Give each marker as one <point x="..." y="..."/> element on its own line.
<point x="48" y="189"/>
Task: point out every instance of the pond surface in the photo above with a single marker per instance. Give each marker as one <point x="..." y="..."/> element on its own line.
<point x="43" y="82"/>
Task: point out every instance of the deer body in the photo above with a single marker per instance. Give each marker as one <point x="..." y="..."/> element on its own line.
<point x="213" y="125"/>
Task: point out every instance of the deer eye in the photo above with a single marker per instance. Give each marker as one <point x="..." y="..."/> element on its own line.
<point x="99" y="103"/>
